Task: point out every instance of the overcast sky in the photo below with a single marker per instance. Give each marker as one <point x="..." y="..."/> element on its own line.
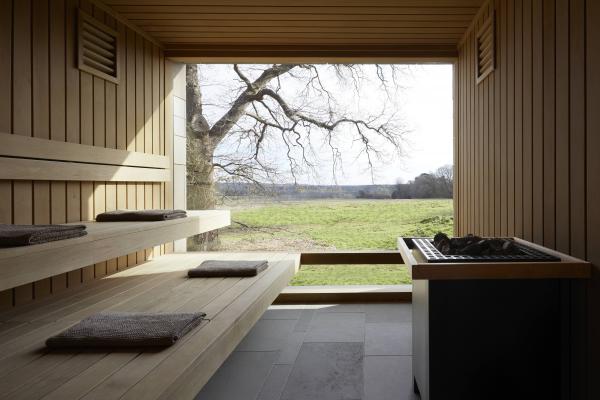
<point x="424" y="105"/>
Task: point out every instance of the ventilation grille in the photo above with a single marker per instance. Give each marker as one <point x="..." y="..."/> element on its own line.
<point x="98" y="48"/>
<point x="486" y="48"/>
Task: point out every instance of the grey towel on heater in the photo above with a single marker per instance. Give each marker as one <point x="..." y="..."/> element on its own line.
<point x="118" y="329"/>
<point x="225" y="268"/>
<point x="140" y="215"/>
<point x="24" y="235"/>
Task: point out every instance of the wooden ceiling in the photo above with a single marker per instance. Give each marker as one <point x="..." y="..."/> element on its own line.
<point x="201" y="27"/>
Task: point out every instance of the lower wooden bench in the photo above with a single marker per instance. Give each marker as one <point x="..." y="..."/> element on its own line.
<point x="28" y="370"/>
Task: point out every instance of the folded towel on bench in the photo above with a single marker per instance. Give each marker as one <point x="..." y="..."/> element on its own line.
<point x="24" y="235"/>
<point x="141" y="215"/>
<point x="226" y="268"/>
<point x="119" y="329"/>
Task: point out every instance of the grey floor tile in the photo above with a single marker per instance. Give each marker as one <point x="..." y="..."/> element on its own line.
<point x="388" y="312"/>
<point x="336" y="327"/>
<point x="241" y="377"/>
<point x="291" y="348"/>
<point x="326" y="371"/>
<point x="385" y="339"/>
<point x="267" y="335"/>
<point x="282" y="313"/>
<point x="388" y="378"/>
<point x="304" y="321"/>
<point x="273" y="387"/>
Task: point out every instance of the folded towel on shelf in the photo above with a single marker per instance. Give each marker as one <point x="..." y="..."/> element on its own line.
<point x="24" y="235"/>
<point x="119" y="329"/>
<point x="228" y="268"/>
<point x="140" y="215"/>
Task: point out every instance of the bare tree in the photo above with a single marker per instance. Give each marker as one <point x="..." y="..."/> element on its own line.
<point x="260" y="112"/>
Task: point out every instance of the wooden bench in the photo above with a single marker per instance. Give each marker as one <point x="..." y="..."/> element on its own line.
<point x="233" y="305"/>
<point x="105" y="240"/>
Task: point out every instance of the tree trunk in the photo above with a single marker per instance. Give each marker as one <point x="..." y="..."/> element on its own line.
<point x="201" y="189"/>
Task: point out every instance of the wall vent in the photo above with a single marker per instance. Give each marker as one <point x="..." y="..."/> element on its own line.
<point x="98" y="48"/>
<point x="486" y="44"/>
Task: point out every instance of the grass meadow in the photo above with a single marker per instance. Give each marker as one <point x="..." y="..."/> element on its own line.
<point x="336" y="225"/>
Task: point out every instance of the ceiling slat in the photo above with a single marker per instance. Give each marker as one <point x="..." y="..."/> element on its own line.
<point x="316" y="23"/>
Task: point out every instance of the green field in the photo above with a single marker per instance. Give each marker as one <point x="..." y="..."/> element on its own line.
<point x="336" y="224"/>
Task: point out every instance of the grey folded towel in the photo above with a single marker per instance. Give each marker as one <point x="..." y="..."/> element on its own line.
<point x="141" y="215"/>
<point x="24" y="235"/>
<point x="224" y="268"/>
<point x="118" y="329"/>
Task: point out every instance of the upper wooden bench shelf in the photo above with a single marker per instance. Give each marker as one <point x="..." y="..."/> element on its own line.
<point x="105" y="240"/>
<point x="567" y="268"/>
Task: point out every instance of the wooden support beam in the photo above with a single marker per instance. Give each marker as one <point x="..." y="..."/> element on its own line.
<point x="351" y="257"/>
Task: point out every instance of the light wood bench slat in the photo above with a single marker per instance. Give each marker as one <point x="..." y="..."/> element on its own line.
<point x="105" y="240"/>
<point x="232" y="304"/>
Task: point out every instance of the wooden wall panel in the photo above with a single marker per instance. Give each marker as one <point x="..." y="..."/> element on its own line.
<point x="543" y="176"/>
<point x="44" y="95"/>
<point x="592" y="163"/>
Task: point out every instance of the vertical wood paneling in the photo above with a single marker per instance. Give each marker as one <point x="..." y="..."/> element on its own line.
<point x="537" y="127"/>
<point x="148" y="134"/>
<point x="41" y="215"/>
<point x="122" y="204"/>
<point x="6" y="27"/>
<point x="139" y="94"/>
<point x="130" y="77"/>
<point x="562" y="127"/>
<point x="72" y="78"/>
<point x="58" y="212"/>
<point x="73" y="210"/>
<point x="122" y="93"/>
<point x="503" y="117"/>
<point x="527" y="122"/>
<point x="533" y="105"/>
<point x="6" y="296"/>
<point x="57" y="70"/>
<point x="541" y="149"/>
<point x="510" y="116"/>
<point x="549" y="134"/>
<point x="21" y="82"/>
<point x="49" y="98"/>
<point x="518" y="107"/>
<point x="40" y="78"/>
<point x="497" y="148"/>
<point x="577" y="127"/>
<point x="592" y="144"/>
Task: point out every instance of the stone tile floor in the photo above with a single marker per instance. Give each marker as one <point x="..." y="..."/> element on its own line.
<point x="321" y="352"/>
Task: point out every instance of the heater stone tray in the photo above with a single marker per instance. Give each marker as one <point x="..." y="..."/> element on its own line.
<point x="537" y="262"/>
<point x="433" y="255"/>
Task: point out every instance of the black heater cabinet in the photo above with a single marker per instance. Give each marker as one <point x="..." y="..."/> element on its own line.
<point x="497" y="330"/>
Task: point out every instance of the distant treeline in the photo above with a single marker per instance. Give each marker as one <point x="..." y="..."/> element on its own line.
<point x="437" y="184"/>
<point x="301" y="192"/>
